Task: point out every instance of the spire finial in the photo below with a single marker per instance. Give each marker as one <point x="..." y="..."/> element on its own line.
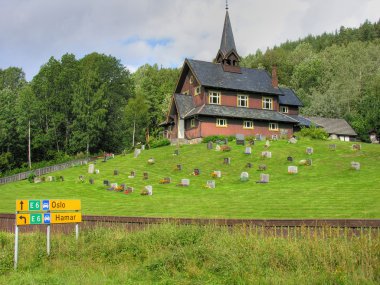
<point x="226" y="4"/>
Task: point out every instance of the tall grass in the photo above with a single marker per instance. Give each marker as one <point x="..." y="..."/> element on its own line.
<point x="172" y="254"/>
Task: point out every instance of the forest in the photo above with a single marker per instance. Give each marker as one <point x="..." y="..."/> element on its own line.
<point x="75" y="107"/>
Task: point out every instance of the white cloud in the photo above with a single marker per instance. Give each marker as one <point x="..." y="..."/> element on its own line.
<point x="32" y="31"/>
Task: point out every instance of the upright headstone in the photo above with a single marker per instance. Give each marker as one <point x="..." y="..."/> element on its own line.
<point x="267" y="143"/>
<point x="106" y="183"/>
<point x="185" y="182"/>
<point x="145" y="176"/>
<point x="292" y="140"/>
<point x="133" y="174"/>
<point x="49" y="178"/>
<point x="355" y="165"/>
<point x="240" y="140"/>
<point x="115" y="172"/>
<point x="217" y="148"/>
<point x="248" y="150"/>
<point x="356" y="146"/>
<point x="292" y="169"/>
<point x="226" y="141"/>
<point x="249" y="165"/>
<point x="137" y="152"/>
<point x="97" y="171"/>
<point x="176" y="152"/>
<point x="91" y="168"/>
<point x="264" y="178"/>
<point x="151" y="160"/>
<point x="227" y="160"/>
<point x="91" y="181"/>
<point x="218" y="173"/>
<point x="209" y="145"/>
<point x="143" y="147"/>
<point x="262" y="167"/>
<point x="309" y="162"/>
<point x="244" y="176"/>
<point x="123" y="187"/>
<point x="266" y="154"/>
<point x="309" y="150"/>
<point x="251" y="142"/>
<point x="149" y="189"/>
<point x="196" y="171"/>
<point x="179" y="167"/>
<point x="211" y="184"/>
<point x="332" y="146"/>
<point x="290" y="159"/>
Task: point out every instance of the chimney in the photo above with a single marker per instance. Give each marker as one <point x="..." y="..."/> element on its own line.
<point x="274" y="77"/>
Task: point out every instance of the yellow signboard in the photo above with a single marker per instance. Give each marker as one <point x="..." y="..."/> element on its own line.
<point x="22" y="205"/>
<point x="23" y="219"/>
<point x="65" y="205"/>
<point x="65" y="218"/>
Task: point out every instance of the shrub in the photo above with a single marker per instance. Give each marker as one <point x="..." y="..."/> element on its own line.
<point x="217" y="138"/>
<point x="313" y="132"/>
<point x="31" y="177"/>
<point x="159" y="143"/>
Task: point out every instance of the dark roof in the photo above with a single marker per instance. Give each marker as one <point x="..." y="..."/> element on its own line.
<point x="250" y="80"/>
<point x="303" y="121"/>
<point x="236" y="112"/>
<point x="334" y="126"/>
<point x="227" y="43"/>
<point x="290" y="97"/>
<point x="184" y="104"/>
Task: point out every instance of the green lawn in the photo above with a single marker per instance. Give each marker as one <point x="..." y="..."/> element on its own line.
<point x="327" y="189"/>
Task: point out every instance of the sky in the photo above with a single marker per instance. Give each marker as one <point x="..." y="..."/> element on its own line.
<point x="162" y="31"/>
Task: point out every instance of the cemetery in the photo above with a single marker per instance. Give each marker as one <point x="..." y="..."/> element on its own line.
<point x="276" y="180"/>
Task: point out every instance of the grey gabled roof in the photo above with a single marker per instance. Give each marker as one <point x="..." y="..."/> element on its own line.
<point x="303" y="121"/>
<point x="236" y="112"/>
<point x="249" y="80"/>
<point x="289" y="98"/>
<point x="184" y="104"/>
<point x="227" y="43"/>
<point x="334" y="126"/>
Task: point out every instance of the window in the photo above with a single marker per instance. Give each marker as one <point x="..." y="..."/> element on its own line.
<point x="192" y="123"/>
<point x="284" y="109"/>
<point x="273" y="126"/>
<point x="197" y="91"/>
<point x="221" y="123"/>
<point x="242" y="101"/>
<point x="247" y="125"/>
<point x="214" y="97"/>
<point x="186" y="92"/>
<point x="191" y="79"/>
<point x="268" y="103"/>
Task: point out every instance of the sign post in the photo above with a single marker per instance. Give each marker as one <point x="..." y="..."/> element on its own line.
<point x="46" y="212"/>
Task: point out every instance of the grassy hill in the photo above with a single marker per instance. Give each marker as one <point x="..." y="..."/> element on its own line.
<point x="327" y="189"/>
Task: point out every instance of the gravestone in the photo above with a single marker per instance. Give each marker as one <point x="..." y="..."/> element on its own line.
<point x="260" y="137"/>
<point x="240" y="139"/>
<point x="275" y="137"/>
<point x="106" y="183"/>
<point x="179" y="167"/>
<point x="292" y="169"/>
<point x="123" y="187"/>
<point x="356" y="146"/>
<point x="143" y="147"/>
<point x="355" y="165"/>
<point x="97" y="171"/>
<point x="249" y="165"/>
<point x="262" y="167"/>
<point x="248" y="150"/>
<point x="196" y="171"/>
<point x="133" y="174"/>
<point x="267" y="144"/>
<point x="129" y="190"/>
<point x="226" y="141"/>
<point x="244" y="176"/>
<point x="211" y="184"/>
<point x="62" y="178"/>
<point x="49" y="179"/>
<point x="227" y="160"/>
<point x="218" y="173"/>
<point x="251" y="142"/>
<point x="264" y="178"/>
<point x="209" y="145"/>
<point x="137" y="152"/>
<point x="91" y="168"/>
<point x="91" y="181"/>
<point x="185" y="182"/>
<point x="115" y="172"/>
<point x="146" y="176"/>
<point x="292" y="140"/>
<point x="81" y="178"/>
<point x="176" y="152"/>
<point x="332" y="146"/>
<point x="309" y="150"/>
<point x="151" y="160"/>
<point x="290" y="159"/>
<point x="165" y="180"/>
<point x="266" y="154"/>
<point x="217" y="148"/>
<point x="149" y="190"/>
<point x="37" y="180"/>
<point x="309" y="162"/>
<point x="113" y="185"/>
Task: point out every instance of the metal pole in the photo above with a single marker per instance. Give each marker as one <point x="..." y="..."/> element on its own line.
<point x="76" y="231"/>
<point x="16" y="247"/>
<point x="48" y="239"/>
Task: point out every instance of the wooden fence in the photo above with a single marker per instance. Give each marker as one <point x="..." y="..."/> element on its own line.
<point x="44" y="170"/>
<point x="7" y="223"/>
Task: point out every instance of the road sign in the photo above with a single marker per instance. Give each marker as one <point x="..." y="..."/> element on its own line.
<point x="65" y="218"/>
<point x="22" y="205"/>
<point x="45" y="205"/>
<point x="34" y="205"/>
<point x="65" y="205"/>
<point x="23" y="219"/>
<point x="47" y="218"/>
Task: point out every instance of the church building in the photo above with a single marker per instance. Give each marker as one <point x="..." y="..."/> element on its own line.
<point x="222" y="98"/>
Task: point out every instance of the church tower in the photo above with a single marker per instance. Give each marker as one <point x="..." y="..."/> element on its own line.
<point x="227" y="54"/>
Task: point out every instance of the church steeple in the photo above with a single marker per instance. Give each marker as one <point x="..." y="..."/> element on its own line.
<point x="227" y="54"/>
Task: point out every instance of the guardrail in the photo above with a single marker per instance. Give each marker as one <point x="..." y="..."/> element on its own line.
<point x="45" y="170"/>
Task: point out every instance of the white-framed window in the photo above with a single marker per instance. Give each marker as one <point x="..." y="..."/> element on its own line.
<point x="186" y="92"/>
<point x="214" y="97"/>
<point x="192" y="123"/>
<point x="197" y="90"/>
<point x="248" y="125"/>
<point x="273" y="126"/>
<point x="191" y="79"/>
<point x="221" y="123"/>
<point x="242" y="101"/>
<point x="284" y="109"/>
<point x="267" y="103"/>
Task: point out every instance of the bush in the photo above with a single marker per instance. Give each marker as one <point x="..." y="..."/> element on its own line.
<point x="313" y="132"/>
<point x="217" y="138"/>
<point x="159" y="143"/>
<point x="31" y="177"/>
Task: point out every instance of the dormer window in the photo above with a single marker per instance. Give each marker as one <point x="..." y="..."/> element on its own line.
<point x="267" y="103"/>
<point x="214" y="97"/>
<point x="284" y="109"/>
<point x="197" y="90"/>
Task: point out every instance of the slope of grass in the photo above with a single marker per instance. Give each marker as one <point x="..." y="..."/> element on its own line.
<point x="169" y="254"/>
<point x="327" y="189"/>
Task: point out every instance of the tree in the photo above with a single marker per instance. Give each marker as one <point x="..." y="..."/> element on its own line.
<point x="137" y="118"/>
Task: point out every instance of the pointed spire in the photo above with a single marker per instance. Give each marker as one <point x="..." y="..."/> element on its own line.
<point x="227" y="43"/>
<point x="226" y="4"/>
